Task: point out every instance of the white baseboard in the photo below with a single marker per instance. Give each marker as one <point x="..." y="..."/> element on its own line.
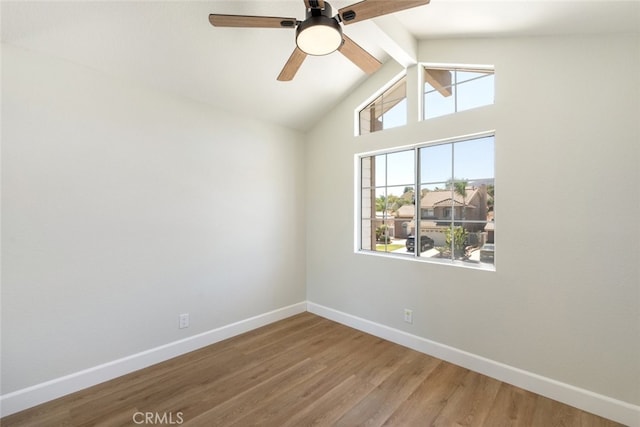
<point x="586" y="400"/>
<point x="604" y="406"/>
<point x="31" y="396"/>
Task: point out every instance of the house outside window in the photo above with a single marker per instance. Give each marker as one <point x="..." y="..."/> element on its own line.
<point x="427" y="213"/>
<point x="451" y="185"/>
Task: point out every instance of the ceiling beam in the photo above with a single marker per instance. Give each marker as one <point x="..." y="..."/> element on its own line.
<point x="393" y="38"/>
<point x="440" y="80"/>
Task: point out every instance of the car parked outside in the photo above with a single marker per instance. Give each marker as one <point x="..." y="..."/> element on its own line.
<point x="426" y="242"/>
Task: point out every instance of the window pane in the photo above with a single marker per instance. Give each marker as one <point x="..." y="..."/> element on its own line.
<point x="384" y="232"/>
<point x="435" y="164"/>
<point x="436" y="205"/>
<point x="368" y="203"/>
<point x="473" y="160"/>
<point x="428" y="88"/>
<point x="397" y="197"/>
<point x="366" y="172"/>
<point x="380" y="202"/>
<point x="464" y="76"/>
<point x="368" y="122"/>
<point x="439" y="79"/>
<point x="367" y="241"/>
<point x="461" y="200"/>
<point x="386" y="111"/>
<point x="458" y="90"/>
<point x="402" y="208"/>
<point x="475" y="93"/>
<point x="396" y="115"/>
<point x="479" y="244"/>
<point x="400" y="168"/>
<point x="436" y="105"/>
<point x="432" y="239"/>
<point x="380" y="166"/>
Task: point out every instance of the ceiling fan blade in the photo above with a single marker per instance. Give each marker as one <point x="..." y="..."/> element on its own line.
<point x="356" y="54"/>
<point x="218" y="20"/>
<point x="293" y="64"/>
<point x="368" y="9"/>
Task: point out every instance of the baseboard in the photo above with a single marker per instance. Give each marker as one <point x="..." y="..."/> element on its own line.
<point x="586" y="400"/>
<point x="604" y="406"/>
<point x="31" y="396"/>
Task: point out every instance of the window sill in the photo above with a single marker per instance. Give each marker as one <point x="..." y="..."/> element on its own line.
<point x="474" y="265"/>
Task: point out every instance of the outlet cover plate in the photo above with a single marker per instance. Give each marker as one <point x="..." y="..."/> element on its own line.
<point x="183" y="321"/>
<point x="408" y="315"/>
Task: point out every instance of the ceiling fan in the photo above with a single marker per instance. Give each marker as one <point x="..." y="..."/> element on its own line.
<point x="321" y="32"/>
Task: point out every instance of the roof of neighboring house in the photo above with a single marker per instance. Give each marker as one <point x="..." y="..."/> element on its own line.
<point x="405" y="211"/>
<point x="437" y="198"/>
<point x="447" y="197"/>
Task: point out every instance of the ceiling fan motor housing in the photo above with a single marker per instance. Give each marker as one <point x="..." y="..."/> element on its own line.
<point x="319" y="34"/>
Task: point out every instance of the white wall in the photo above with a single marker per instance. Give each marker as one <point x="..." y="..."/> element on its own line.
<point x="123" y="207"/>
<point x="564" y="301"/>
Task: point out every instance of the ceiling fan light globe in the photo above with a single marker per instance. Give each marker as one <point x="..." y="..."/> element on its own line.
<point x="319" y="36"/>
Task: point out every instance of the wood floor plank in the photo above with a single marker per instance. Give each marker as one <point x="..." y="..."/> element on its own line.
<point x="143" y="392"/>
<point x="424" y="405"/>
<point x="386" y="358"/>
<point x="512" y="406"/>
<point x="380" y="403"/>
<point x="259" y="341"/>
<point x="591" y="420"/>
<point x="551" y="413"/>
<point x="469" y="405"/>
<point x="341" y="367"/>
<point x="329" y="408"/>
<point x="306" y="370"/>
<point x="247" y="402"/>
<point x="265" y="368"/>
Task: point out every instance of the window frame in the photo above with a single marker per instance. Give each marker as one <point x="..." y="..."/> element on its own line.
<point x="478" y="68"/>
<point x="415" y="256"/>
<point x="372" y="99"/>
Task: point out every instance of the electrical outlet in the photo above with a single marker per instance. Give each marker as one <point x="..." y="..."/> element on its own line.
<point x="408" y="315"/>
<point x="183" y="321"/>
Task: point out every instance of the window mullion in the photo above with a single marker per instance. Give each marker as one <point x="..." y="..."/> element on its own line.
<point x="386" y="200"/>
<point x="417" y="200"/>
<point x="453" y="204"/>
<point x="372" y="214"/>
<point x="455" y="91"/>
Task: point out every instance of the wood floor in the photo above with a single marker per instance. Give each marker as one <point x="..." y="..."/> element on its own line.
<point x="301" y="371"/>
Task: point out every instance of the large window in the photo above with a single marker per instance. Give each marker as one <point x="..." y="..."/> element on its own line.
<point x="449" y="90"/>
<point x="386" y="111"/>
<point x="432" y="202"/>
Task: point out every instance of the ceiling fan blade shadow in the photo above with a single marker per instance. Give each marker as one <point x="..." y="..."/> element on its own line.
<point x="218" y="20"/>
<point x="356" y="54"/>
<point x="293" y="64"/>
<point x="368" y="9"/>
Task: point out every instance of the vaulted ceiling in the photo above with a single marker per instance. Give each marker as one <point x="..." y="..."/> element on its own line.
<point x="171" y="45"/>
